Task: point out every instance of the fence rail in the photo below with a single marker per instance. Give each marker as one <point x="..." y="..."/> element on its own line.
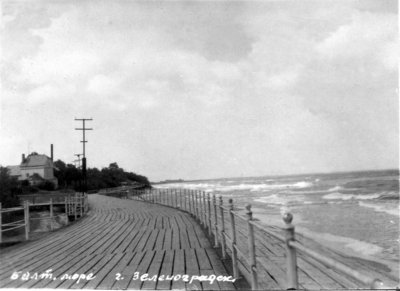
<point x="236" y="234"/>
<point x="75" y="205"/>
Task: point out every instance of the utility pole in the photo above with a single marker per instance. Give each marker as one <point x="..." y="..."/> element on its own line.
<point x="84" y="153"/>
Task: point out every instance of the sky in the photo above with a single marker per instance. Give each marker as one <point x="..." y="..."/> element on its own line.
<point x="202" y="89"/>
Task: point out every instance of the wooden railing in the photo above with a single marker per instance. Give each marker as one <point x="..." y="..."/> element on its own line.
<point x="121" y="189"/>
<point x="230" y="229"/>
<point x="75" y="205"/>
<point x="44" y="198"/>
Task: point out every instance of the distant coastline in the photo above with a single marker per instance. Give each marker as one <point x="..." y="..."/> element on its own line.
<point x="393" y="171"/>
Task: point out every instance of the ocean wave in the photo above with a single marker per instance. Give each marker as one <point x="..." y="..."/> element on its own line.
<point x="393" y="210"/>
<point x="340" y="196"/>
<point x="335" y="189"/>
<point x="365" y="249"/>
<point x="280" y="200"/>
<point x="379" y="196"/>
<point x="209" y="187"/>
<point x="389" y="196"/>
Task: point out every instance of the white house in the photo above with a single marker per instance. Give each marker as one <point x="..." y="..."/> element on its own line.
<point x="35" y="168"/>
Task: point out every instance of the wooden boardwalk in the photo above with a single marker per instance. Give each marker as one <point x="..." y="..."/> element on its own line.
<point x="118" y="242"/>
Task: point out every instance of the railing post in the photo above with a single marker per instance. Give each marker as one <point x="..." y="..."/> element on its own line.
<point x="191" y="207"/>
<point x="204" y="209"/>
<point x="200" y="214"/>
<point x="291" y="263"/>
<point x="81" y="204"/>
<point x="233" y="238"/>
<point x="176" y="198"/>
<point x="51" y="213"/>
<point x="1" y="228"/>
<point x="196" y="205"/>
<point x="27" y="222"/>
<point x="180" y="199"/>
<point x="75" y="206"/>
<point x="222" y="232"/>
<point x="199" y="206"/>
<point x="209" y="214"/>
<point x="189" y="199"/>
<point x="252" y="248"/>
<point x="214" y="199"/>
<point x="199" y="200"/>
<point x="164" y="196"/>
<point x="184" y="199"/>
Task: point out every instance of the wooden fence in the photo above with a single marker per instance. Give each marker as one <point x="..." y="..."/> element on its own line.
<point x="243" y="239"/>
<point x="75" y="205"/>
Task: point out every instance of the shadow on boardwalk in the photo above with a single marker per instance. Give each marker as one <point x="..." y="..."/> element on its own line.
<point x="119" y="241"/>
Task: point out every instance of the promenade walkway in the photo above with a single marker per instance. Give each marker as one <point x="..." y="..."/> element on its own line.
<point x="118" y="242"/>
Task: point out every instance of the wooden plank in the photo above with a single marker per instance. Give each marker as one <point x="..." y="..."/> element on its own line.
<point x="70" y="270"/>
<point x="184" y="239"/>
<point x="37" y="260"/>
<point x="166" y="269"/>
<point x="109" y="240"/>
<point x="117" y="245"/>
<point x="208" y="285"/>
<point x="160" y="239"/>
<point x="102" y="269"/>
<point x="176" y="244"/>
<point x="192" y="268"/>
<point x="193" y="239"/>
<point x="87" y="269"/>
<point x="179" y="267"/>
<point x="154" y="270"/>
<point x="142" y="269"/>
<point x="204" y="262"/>
<point x="219" y="269"/>
<point x="135" y="233"/>
<point x="143" y="241"/>
<point x="151" y="242"/>
<point x="132" y="246"/>
<point x="159" y="223"/>
<point x="128" y="272"/>
<point x="47" y="245"/>
<point x="168" y="239"/>
<point x="110" y="279"/>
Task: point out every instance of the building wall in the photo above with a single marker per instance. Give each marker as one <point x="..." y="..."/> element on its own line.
<point x="48" y="173"/>
<point x="27" y="172"/>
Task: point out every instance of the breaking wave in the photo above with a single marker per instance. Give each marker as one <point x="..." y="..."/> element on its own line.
<point x="208" y="187"/>
<point x="380" y="196"/>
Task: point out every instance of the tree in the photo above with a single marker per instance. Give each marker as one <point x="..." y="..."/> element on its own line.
<point x="8" y="189"/>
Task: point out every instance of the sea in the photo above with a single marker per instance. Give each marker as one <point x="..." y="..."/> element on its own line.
<point x="356" y="213"/>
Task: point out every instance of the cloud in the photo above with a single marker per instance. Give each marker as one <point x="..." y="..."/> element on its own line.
<point x="367" y="36"/>
<point x="200" y="89"/>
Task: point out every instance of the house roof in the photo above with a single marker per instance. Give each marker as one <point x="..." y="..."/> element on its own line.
<point x="37" y="161"/>
<point x="14" y="170"/>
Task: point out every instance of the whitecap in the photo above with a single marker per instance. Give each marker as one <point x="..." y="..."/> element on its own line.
<point x="340" y="196"/>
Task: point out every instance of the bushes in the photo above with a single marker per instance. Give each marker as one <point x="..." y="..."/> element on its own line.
<point x="8" y="189"/>
<point x="46" y="185"/>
